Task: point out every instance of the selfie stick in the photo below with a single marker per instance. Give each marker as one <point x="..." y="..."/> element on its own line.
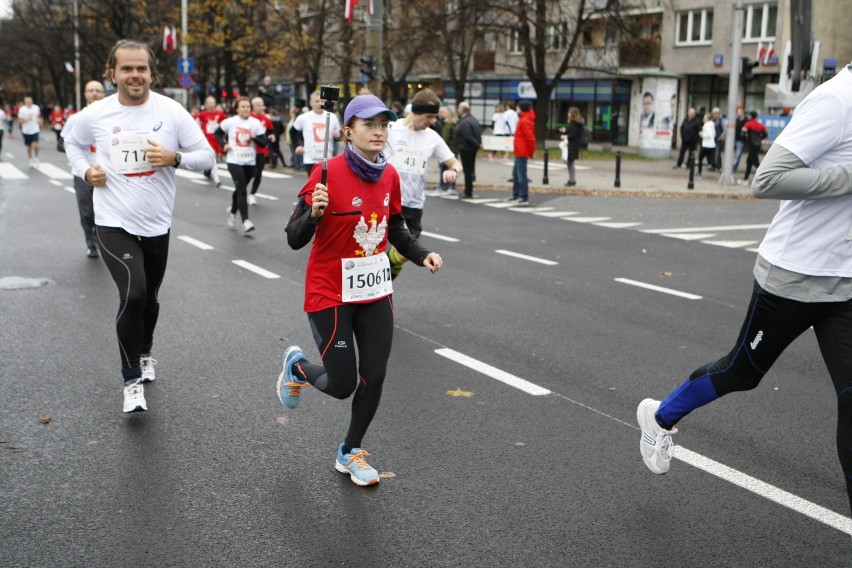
<point x="329" y="95"/>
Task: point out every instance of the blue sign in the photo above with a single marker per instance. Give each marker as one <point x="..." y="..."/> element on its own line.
<point x="718" y="60"/>
<point x="186" y="65"/>
<point x="186" y="81"/>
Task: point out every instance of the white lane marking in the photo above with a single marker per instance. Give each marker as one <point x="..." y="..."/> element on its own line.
<point x="54" y="172"/>
<point x="186" y="174"/>
<point x="730" y="244"/>
<point x="195" y="242"/>
<point x="501" y="204"/>
<point x="266" y="196"/>
<point x="656" y="288"/>
<point x="256" y="269"/>
<point x="479" y="200"/>
<point x="275" y="175"/>
<point x="530" y="209"/>
<point x="8" y="171"/>
<point x="492" y="372"/>
<point x="616" y="225"/>
<point x="763" y="489"/>
<point x="54" y="182"/>
<point x="69" y="189"/>
<point x="558" y="213"/>
<point x="752" y="249"/>
<point x="439" y="237"/>
<point x="227" y="187"/>
<point x="526" y="257"/>
<point x="689" y="236"/>
<point x="587" y="219"/>
<point x="10" y="155"/>
<point x="705" y="229"/>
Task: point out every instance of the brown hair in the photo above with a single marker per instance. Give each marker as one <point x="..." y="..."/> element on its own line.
<point x="237" y="102"/>
<point x="575" y="116"/>
<point x="132" y="44"/>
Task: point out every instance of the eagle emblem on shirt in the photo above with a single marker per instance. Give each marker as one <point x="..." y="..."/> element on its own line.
<point x="369" y="237"/>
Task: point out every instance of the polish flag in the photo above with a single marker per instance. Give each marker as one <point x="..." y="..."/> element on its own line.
<point x="350" y="8"/>
<point x="765" y="53"/>
<point x="169" y="39"/>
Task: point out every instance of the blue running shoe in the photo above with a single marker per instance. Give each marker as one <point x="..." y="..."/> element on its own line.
<point x="289" y="387"/>
<point x="355" y="464"/>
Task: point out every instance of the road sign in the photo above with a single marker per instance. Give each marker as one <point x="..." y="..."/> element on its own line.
<point x="186" y="65"/>
<point x="186" y="81"/>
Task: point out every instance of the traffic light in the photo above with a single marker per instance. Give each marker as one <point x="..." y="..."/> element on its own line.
<point x="369" y="69"/>
<point x="747" y="72"/>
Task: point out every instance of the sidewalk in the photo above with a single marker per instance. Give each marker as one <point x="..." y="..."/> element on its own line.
<point x="653" y="178"/>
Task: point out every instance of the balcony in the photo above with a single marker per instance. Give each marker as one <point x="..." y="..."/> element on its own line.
<point x="639" y="52"/>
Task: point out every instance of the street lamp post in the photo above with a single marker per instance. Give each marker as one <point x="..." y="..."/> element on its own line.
<point x="77" y="84"/>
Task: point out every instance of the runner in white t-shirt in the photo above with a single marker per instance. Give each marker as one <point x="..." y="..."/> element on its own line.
<point x="137" y="134"/>
<point x="412" y="144"/>
<point x="239" y="137"/>
<point x="29" y="117"/>
<point x="803" y="274"/>
<point x="311" y="125"/>
<point x="3" y="118"/>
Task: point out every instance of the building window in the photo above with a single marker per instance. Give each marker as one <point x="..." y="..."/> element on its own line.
<point x="695" y="27"/>
<point x="557" y="36"/>
<point x="760" y="21"/>
<point x="514" y="45"/>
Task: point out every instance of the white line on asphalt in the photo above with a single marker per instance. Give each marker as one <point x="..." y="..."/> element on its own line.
<point x="763" y="489"/>
<point x="688" y="236"/>
<point x="616" y="225"/>
<point x="275" y="175"/>
<point x="439" y="237"/>
<point x="186" y="174"/>
<point x="54" y="182"/>
<point x="54" y="172"/>
<point x="69" y="189"/>
<point x="266" y="196"/>
<point x="501" y="204"/>
<point x="10" y="155"/>
<point x="526" y="257"/>
<point x="558" y="213"/>
<point x="656" y="288"/>
<point x="492" y="372"/>
<point x="587" y="219"/>
<point x="195" y="242"/>
<point x="8" y="171"/>
<point x="530" y="209"/>
<point x="730" y="244"/>
<point x="705" y="229"/>
<point x="256" y="269"/>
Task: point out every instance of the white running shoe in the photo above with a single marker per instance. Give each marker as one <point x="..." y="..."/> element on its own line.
<point x="134" y="396"/>
<point x="147" y="363"/>
<point x="252" y="200"/>
<point x="232" y="219"/>
<point x="248" y="226"/>
<point x="32" y="164"/>
<point x="655" y="444"/>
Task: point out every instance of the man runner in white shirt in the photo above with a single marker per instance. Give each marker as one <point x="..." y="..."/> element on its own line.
<point x="311" y="126"/>
<point x="137" y="134"/>
<point x="29" y="117"/>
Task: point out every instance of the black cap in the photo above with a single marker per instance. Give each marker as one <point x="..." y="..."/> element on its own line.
<point x="525" y="106"/>
<point x="752" y="113"/>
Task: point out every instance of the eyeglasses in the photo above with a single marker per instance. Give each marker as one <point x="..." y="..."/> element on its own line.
<point x="376" y="125"/>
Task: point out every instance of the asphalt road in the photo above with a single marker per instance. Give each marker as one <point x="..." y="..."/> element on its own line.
<point x="218" y="473"/>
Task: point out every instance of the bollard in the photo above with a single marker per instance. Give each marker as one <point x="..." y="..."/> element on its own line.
<point x="618" y="169"/>
<point x="690" y="163"/>
<point x="544" y="180"/>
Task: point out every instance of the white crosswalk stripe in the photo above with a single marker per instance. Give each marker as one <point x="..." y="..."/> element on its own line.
<point x="8" y="171"/>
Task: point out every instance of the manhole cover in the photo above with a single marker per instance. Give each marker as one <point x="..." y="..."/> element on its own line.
<point x="21" y="283"/>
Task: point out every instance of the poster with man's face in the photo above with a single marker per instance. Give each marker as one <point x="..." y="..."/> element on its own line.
<point x="658" y="113"/>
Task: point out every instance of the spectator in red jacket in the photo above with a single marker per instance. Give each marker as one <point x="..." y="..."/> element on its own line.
<point x="754" y="132"/>
<point x="524" y="150"/>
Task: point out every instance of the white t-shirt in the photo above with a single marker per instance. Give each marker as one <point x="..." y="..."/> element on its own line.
<point x="501" y="124"/>
<point x="240" y="132"/>
<point x="511" y="118"/>
<point x="29" y="117"/>
<point x="814" y="236"/>
<point x="410" y="153"/>
<point x="137" y="197"/>
<point x="708" y="135"/>
<point x="3" y="118"/>
<point x="312" y="126"/>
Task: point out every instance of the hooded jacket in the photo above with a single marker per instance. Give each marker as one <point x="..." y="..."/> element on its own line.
<point x="525" y="135"/>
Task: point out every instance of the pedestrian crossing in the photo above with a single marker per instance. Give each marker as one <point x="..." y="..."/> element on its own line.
<point x="704" y="235"/>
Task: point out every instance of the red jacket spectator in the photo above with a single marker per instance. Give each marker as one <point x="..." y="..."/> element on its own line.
<point x="525" y="135"/>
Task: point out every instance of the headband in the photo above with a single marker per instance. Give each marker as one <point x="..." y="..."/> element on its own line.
<point x="425" y="109"/>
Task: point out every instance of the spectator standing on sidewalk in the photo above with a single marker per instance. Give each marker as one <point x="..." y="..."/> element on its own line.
<point x="447" y="129"/>
<point x="690" y="130"/>
<point x="708" y="143"/>
<point x="574" y="136"/>
<point x="740" y="140"/>
<point x="524" y="149"/>
<point x="754" y="132"/>
<point x="468" y="139"/>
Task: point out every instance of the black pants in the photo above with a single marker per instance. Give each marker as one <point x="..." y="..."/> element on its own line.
<point x="684" y="148"/>
<point x="770" y="325"/>
<point x="753" y="159"/>
<point x="468" y="160"/>
<point x="260" y="163"/>
<point x="84" y="190"/>
<point x="413" y="218"/>
<point x="137" y="265"/>
<point x="242" y="176"/>
<point x="710" y="154"/>
<point x="336" y="332"/>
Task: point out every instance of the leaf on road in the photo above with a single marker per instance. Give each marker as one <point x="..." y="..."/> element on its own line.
<point x="91" y="443"/>
<point x="282" y="420"/>
<point x="520" y="444"/>
<point x="45" y="420"/>
<point x="387" y="474"/>
<point x="611" y="389"/>
<point x="665" y="274"/>
<point x="459" y="392"/>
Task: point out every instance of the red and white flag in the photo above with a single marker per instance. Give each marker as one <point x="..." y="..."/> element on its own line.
<point x="69" y="67"/>
<point x="169" y="39"/>
<point x="765" y="53"/>
<point x="350" y="8"/>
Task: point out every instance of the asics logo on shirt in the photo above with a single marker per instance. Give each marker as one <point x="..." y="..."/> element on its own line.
<point x="341" y="345"/>
<point x="387" y="199"/>
<point x="757" y="339"/>
<point x="158" y="126"/>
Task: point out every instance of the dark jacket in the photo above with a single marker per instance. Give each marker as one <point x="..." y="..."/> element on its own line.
<point x="447" y="131"/>
<point x="574" y="135"/>
<point x="525" y="135"/>
<point x="468" y="135"/>
<point x="690" y="130"/>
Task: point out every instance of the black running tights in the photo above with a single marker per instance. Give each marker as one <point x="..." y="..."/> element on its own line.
<point x="137" y="265"/>
<point x="334" y="329"/>
<point x="242" y="176"/>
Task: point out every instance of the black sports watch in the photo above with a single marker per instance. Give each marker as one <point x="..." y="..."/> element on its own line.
<point x="178" y="158"/>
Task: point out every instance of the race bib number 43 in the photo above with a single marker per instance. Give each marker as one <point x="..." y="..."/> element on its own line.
<point x="410" y="162"/>
<point x="127" y="153"/>
<point x="366" y="278"/>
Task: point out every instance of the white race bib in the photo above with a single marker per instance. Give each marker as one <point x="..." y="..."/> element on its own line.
<point x="410" y="161"/>
<point x="366" y="278"/>
<point x="245" y="154"/>
<point x="127" y="152"/>
<point x="318" y="149"/>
